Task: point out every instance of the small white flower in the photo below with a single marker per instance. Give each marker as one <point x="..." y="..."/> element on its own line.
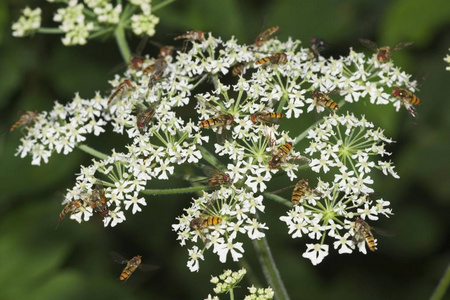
<point x="193" y="263"/>
<point x="231" y="247"/>
<point x="316" y="253"/>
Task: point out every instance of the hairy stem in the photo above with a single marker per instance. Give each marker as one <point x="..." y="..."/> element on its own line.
<point x="439" y="292"/>
<point x="270" y="269"/>
<point x="191" y="189"/>
<point x="92" y="151"/>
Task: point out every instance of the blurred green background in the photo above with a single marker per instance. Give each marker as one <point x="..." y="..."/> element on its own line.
<point x="37" y="262"/>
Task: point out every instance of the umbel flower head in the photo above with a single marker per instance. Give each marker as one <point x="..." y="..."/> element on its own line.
<point x="82" y="20"/>
<point x="237" y="119"/>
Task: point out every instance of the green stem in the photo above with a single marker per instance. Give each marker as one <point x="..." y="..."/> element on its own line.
<point x="278" y="199"/>
<point x="270" y="269"/>
<point x="231" y="294"/>
<point x="191" y="189"/>
<point x="92" y="151"/>
<point x="50" y="30"/>
<point x="119" y="33"/>
<point x="209" y="157"/>
<point x="439" y="292"/>
<point x="161" y="5"/>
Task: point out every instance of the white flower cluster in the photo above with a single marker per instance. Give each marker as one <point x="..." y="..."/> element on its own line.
<point x="348" y="145"/>
<point x="28" y="23"/>
<point x="329" y="211"/>
<point x="246" y="92"/>
<point x="447" y="60"/>
<point x="81" y="20"/>
<point x="217" y="219"/>
<point x="63" y="128"/>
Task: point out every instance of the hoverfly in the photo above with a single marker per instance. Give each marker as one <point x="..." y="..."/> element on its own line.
<point x="190" y="36"/>
<point x="383" y="53"/>
<point x="71" y="207"/>
<point x="143" y="118"/>
<point x="220" y="121"/>
<point x="157" y="70"/>
<point x="25" y="119"/>
<point x="266" y="117"/>
<point x="122" y="88"/>
<point x="97" y="200"/>
<point x="238" y="68"/>
<point x="363" y="232"/>
<point x="277" y="58"/>
<point x="280" y="156"/>
<point x="132" y="265"/>
<point x="216" y="177"/>
<point x="322" y="99"/>
<point x="316" y="45"/>
<point x="265" y="35"/>
<point x="301" y="189"/>
<point x="408" y="99"/>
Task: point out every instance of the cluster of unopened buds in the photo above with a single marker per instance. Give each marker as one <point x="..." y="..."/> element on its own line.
<point x="226" y="282"/>
<point x="248" y="92"/>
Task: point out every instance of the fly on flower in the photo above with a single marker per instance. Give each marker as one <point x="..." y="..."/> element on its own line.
<point x="383" y="53"/>
<point x="25" y="120"/>
<point x="239" y="68"/>
<point x="280" y="156"/>
<point x="265" y="35"/>
<point x="408" y="99"/>
<point x="144" y="117"/>
<point x="363" y="232"/>
<point x="220" y="121"/>
<point x="323" y="100"/>
<point x="277" y="58"/>
<point x="71" y="207"/>
<point x="203" y="222"/>
<point x="190" y="36"/>
<point x="215" y="177"/>
<point x="157" y="70"/>
<point x="266" y="117"/>
<point x="132" y="265"/>
<point x="301" y="189"/>
<point x="122" y="88"/>
<point x="97" y="200"/>
<point x="316" y="45"/>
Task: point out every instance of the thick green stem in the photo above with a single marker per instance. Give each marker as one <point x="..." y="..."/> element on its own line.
<point x="187" y="190"/>
<point x="270" y="269"/>
<point x="92" y="151"/>
<point x="439" y="292"/>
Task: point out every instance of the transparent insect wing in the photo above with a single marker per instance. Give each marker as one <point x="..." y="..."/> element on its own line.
<point x="401" y="46"/>
<point x="369" y="44"/>
<point x="118" y="258"/>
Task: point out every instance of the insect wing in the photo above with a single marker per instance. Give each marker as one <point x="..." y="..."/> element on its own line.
<point x="382" y="231"/>
<point x="401" y="46"/>
<point x="148" y="267"/>
<point x="369" y="44"/>
<point x="118" y="258"/>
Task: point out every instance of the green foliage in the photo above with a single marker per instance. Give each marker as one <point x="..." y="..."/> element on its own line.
<point x="413" y="21"/>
